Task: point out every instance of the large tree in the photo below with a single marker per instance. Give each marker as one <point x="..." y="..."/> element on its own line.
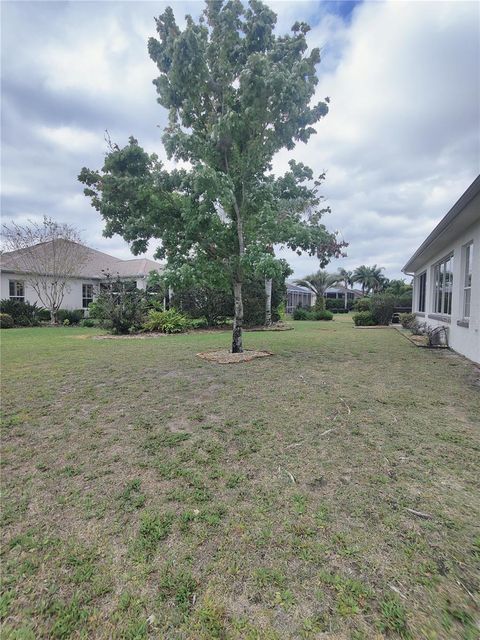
<point x="236" y="94"/>
<point x="47" y="254"/>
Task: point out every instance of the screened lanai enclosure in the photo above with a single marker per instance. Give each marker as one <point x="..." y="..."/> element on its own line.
<point x="298" y="296"/>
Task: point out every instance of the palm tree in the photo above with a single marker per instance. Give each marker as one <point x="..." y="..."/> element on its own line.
<point x="378" y="280"/>
<point x="362" y="276"/>
<point x="371" y="278"/>
<point x="345" y="277"/>
<point x="319" y="282"/>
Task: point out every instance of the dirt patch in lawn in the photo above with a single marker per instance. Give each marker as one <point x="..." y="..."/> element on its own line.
<point x="223" y="356"/>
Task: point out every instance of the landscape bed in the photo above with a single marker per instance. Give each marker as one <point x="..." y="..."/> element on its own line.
<point x="331" y="489"/>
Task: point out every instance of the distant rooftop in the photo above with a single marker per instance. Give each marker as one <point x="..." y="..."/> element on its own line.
<point x="92" y="264"/>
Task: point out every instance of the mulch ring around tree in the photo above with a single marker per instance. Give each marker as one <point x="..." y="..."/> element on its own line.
<point x="132" y="336"/>
<point x="223" y="356"/>
<point x="277" y="326"/>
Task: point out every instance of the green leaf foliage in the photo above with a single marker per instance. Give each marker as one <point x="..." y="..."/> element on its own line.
<point x="236" y="94"/>
<point x="169" y="321"/>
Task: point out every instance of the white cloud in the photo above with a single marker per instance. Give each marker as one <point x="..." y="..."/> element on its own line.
<point x="72" y="139"/>
<point x="399" y="145"/>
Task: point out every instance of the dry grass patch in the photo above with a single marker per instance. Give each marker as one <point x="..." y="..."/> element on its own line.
<point x="149" y="494"/>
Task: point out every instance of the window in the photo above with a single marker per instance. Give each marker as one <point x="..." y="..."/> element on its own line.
<point x="422" y="289"/>
<point x="467" y="279"/>
<point x="16" y="290"/>
<point x="87" y="295"/>
<point x="443" y="284"/>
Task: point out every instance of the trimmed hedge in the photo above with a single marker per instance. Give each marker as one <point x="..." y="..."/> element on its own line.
<point x="337" y="305"/>
<point x="364" y="319"/>
<point x="362" y="304"/>
<point x="382" y="306"/>
<point x="304" y="314"/>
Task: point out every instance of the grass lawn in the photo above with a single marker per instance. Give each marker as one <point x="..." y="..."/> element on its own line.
<point x="151" y="494"/>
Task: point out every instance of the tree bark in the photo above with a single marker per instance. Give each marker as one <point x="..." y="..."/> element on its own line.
<point x="237" y="342"/>
<point x="268" y="302"/>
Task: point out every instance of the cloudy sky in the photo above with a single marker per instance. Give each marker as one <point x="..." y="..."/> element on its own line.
<point x="400" y="144"/>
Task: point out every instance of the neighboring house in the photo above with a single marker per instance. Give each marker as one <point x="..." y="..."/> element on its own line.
<point x="82" y="288"/>
<point x="298" y="296"/>
<point x="446" y="270"/>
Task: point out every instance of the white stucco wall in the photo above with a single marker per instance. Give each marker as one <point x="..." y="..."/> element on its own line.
<point x="73" y="290"/>
<point x="464" y="340"/>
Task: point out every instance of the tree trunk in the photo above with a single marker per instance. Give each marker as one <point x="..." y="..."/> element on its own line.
<point x="268" y="302"/>
<point x="346" y="297"/>
<point x="237" y="344"/>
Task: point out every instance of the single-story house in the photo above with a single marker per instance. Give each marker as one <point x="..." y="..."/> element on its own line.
<point x="446" y="271"/>
<point x="84" y="283"/>
<point x="298" y="296"/>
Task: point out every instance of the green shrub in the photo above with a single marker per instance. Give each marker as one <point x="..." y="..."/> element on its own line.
<point x="339" y="310"/>
<point x="88" y="322"/>
<point x="23" y="314"/>
<point x="418" y="328"/>
<point x="313" y="314"/>
<point x="6" y="321"/>
<point x="214" y="300"/>
<point x="406" y="319"/>
<point x="43" y="315"/>
<point x="120" y="307"/>
<point x="170" y="321"/>
<point x="337" y="304"/>
<point x="301" y="314"/>
<point x="323" y="315"/>
<point x="382" y="306"/>
<point x="73" y="316"/>
<point x="66" y="322"/>
<point x="362" y="304"/>
<point x="363" y="319"/>
<point x="198" y="323"/>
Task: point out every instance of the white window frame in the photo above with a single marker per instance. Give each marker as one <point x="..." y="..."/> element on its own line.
<point x="419" y="292"/>
<point x="16" y="296"/>
<point x="467" y="251"/>
<point x="84" y="297"/>
<point x="441" y="287"/>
